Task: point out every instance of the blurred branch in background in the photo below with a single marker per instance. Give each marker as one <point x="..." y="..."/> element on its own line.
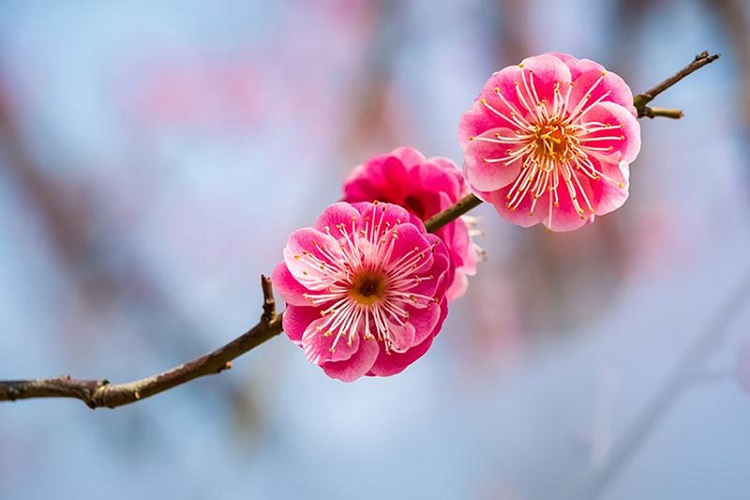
<point x="686" y="372"/>
<point x="734" y="15"/>
<point x="372" y="126"/>
<point x="72" y="222"/>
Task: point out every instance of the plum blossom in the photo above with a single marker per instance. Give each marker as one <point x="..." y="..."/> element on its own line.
<point x="365" y="289"/>
<point x="550" y="140"/>
<point x="424" y="187"/>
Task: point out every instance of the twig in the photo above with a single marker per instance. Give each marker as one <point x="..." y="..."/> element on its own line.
<point x="100" y="393"/>
<point x="673" y="113"/>
<point x="641" y="100"/>
<point x="451" y="213"/>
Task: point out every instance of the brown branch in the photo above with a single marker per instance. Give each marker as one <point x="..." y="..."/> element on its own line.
<point x="452" y="213"/>
<point x="649" y="112"/>
<point x="100" y="393"/>
<point x="641" y="100"/>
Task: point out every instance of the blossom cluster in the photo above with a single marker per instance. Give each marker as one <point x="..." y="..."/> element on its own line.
<point x="367" y="286"/>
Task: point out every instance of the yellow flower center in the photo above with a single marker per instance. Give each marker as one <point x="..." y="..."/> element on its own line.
<point x="368" y="288"/>
<point x="553" y="141"/>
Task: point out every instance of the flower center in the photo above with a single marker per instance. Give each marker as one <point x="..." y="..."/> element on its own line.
<point x="551" y="140"/>
<point x="368" y="288"/>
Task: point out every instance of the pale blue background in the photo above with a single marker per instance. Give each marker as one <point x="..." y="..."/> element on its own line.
<point x="190" y="138"/>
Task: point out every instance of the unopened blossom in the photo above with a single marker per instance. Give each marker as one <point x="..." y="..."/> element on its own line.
<point x="550" y="140"/>
<point x="365" y="289"/>
<point x="424" y="187"/>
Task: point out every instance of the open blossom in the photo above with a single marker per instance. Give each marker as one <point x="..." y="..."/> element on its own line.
<point x="550" y="141"/>
<point x="424" y="187"/>
<point x="365" y="289"/>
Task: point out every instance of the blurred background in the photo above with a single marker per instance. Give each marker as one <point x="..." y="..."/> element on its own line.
<point x="154" y="156"/>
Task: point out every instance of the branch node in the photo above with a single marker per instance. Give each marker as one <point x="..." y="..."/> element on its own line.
<point x="269" y="303"/>
<point x="649" y="112"/>
<point x="13" y="393"/>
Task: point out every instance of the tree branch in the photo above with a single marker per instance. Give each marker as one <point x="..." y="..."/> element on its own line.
<point x="100" y="393"/>
<point x="452" y="213"/>
<point x="641" y="100"/>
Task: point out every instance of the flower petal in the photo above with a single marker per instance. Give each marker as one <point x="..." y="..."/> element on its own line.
<point x="388" y="364"/>
<point x="308" y="255"/>
<point x="333" y="215"/>
<point x="519" y="215"/>
<point x="296" y="320"/>
<point x="402" y="336"/>
<point x="593" y="83"/>
<point x="483" y="167"/>
<point x="423" y="322"/>
<point x="359" y="364"/>
<point x="288" y="287"/>
<point x="611" y="192"/>
<point x="409" y="157"/>
<point x="541" y="75"/>
<point x="568" y="215"/>
<point x="319" y="347"/>
<point x="625" y="132"/>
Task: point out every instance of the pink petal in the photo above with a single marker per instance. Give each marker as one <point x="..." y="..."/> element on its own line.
<point x="387" y="214"/>
<point x="319" y="347"/>
<point x="627" y="137"/>
<point x="410" y="157"/>
<point x="579" y="66"/>
<point x="395" y="173"/>
<point x="409" y="239"/>
<point x="300" y="266"/>
<point x="519" y="215"/>
<point x="296" y="320"/>
<point x="444" y="178"/>
<point x="333" y="215"/>
<point x="363" y="188"/>
<point x="390" y="364"/>
<point x="423" y="322"/>
<point x="607" y="193"/>
<point x="586" y="86"/>
<point x="542" y="73"/>
<point x="356" y="366"/>
<point x="476" y="121"/>
<point x="565" y="217"/>
<point x="288" y="287"/>
<point x="459" y="286"/>
<point x="402" y="336"/>
<point x="484" y="174"/>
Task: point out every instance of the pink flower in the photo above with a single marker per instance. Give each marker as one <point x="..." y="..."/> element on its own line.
<point x="424" y="187"/>
<point x="365" y="289"/>
<point x="550" y="141"/>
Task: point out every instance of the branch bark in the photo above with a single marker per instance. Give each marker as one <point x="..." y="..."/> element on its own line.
<point x="101" y="393"/>
<point x="641" y="100"/>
